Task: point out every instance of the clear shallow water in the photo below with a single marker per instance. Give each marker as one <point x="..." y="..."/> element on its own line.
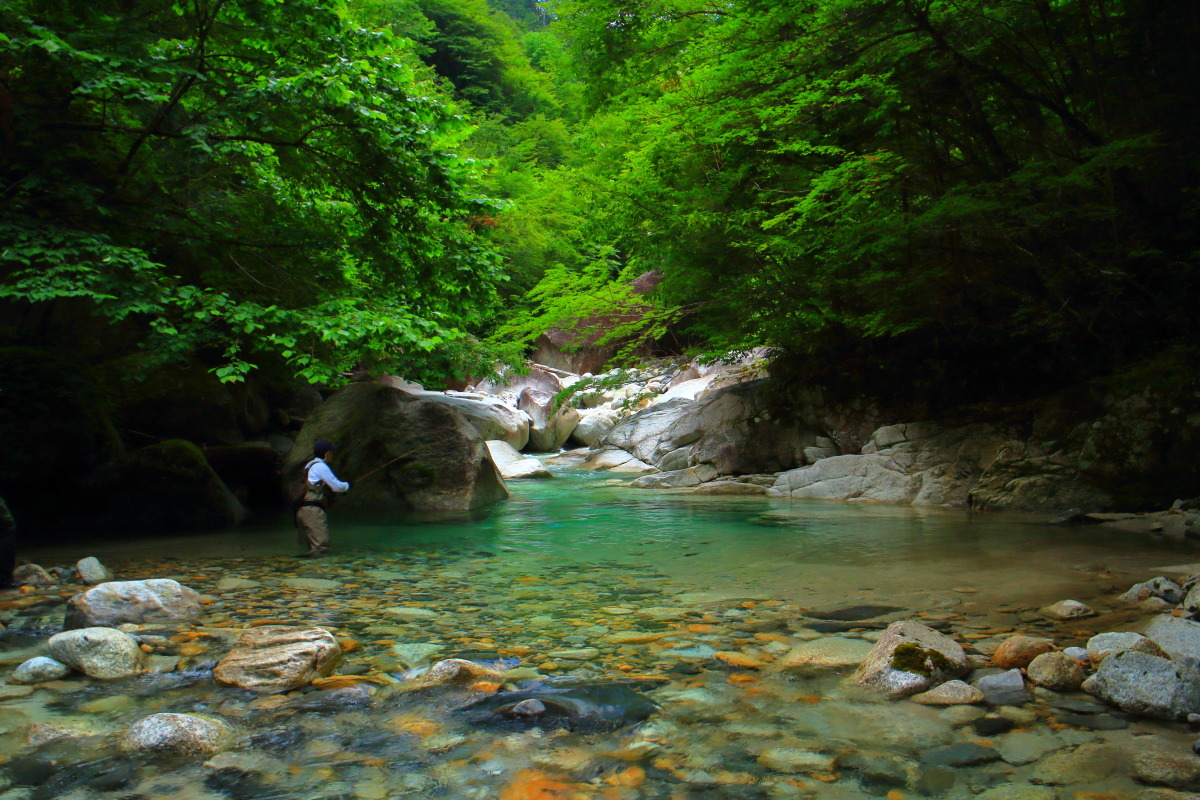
<point x="585" y="563"/>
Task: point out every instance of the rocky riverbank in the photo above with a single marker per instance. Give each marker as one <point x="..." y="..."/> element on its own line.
<point x="468" y="672"/>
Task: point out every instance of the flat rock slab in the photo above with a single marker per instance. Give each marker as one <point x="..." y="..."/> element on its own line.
<point x="278" y="658"/>
<point x="966" y="754"/>
<point x="312" y="584"/>
<point x="411" y="614"/>
<point x="233" y="584"/>
<point x="832" y="652"/>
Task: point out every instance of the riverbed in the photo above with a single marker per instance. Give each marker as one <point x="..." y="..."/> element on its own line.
<point x="689" y="601"/>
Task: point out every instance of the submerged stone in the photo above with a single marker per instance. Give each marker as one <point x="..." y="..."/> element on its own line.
<point x="176" y="735"/>
<point x="596" y="706"/>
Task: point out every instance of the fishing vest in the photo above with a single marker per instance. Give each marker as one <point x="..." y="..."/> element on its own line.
<point x="314" y="493"/>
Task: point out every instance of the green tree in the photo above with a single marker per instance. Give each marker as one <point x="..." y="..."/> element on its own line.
<point x="241" y="175"/>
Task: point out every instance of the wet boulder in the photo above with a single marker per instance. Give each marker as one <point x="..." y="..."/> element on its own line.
<point x="1056" y="671"/>
<point x="456" y="672"/>
<point x="414" y="453"/>
<point x="1140" y="683"/>
<point x="1179" y="637"/>
<point x="118" y="602"/>
<point x="910" y="658"/>
<point x="102" y="653"/>
<point x="184" y="735"/>
<point x="513" y="465"/>
<point x="32" y="575"/>
<point x="1017" y="651"/>
<point x="1161" y="587"/>
<point x="92" y="572"/>
<point x="169" y="487"/>
<point x="1103" y="645"/>
<point x="278" y="658"/>
<point x="583" y="707"/>
<point x="40" y="669"/>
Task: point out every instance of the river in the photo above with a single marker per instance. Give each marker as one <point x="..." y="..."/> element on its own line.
<point x="691" y="601"/>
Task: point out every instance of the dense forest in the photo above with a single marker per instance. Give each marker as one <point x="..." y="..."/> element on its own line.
<point x="952" y="196"/>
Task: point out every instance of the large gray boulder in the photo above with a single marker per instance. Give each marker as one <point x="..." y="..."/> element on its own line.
<point x="415" y="453"/>
<point x="1140" y="683"/>
<point x="910" y="658"/>
<point x="488" y="415"/>
<point x="118" y="602"/>
<point x="176" y="735"/>
<point x="278" y="658"/>
<point x="919" y="464"/>
<point x="102" y="653"/>
<point x="1179" y="637"/>
<point x="738" y="429"/>
<point x="550" y="427"/>
<point x="593" y="425"/>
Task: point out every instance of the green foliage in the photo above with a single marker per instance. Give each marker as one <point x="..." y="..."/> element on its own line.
<point x="243" y="176"/>
<point x="966" y="190"/>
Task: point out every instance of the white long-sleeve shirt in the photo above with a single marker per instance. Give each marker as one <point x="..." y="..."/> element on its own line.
<point x="319" y="472"/>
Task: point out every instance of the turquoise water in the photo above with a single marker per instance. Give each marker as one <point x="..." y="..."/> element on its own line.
<point x="692" y="602"/>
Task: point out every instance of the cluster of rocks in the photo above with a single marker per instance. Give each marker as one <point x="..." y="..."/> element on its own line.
<point x="87" y="571"/>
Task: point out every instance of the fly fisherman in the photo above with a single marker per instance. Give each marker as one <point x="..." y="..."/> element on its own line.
<point x="311" y="517"/>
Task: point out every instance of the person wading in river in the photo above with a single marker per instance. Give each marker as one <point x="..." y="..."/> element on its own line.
<point x="311" y="516"/>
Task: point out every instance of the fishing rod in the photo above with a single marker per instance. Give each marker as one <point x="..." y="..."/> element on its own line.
<point x="389" y="463"/>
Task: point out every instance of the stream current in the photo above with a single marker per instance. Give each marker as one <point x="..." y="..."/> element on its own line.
<point x="582" y="582"/>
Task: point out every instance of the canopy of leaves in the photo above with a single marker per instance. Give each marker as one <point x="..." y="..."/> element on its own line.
<point x="960" y="193"/>
<point x="240" y="175"/>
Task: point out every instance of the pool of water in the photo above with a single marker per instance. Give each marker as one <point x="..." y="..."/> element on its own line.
<point x="691" y="602"/>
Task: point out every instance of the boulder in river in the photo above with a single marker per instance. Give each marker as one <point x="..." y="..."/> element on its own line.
<point x="1067" y="609"/>
<point x="1103" y="645"/>
<point x="593" y="425"/>
<point x="92" y="572"/>
<point x="176" y="735"/>
<point x="102" y="653"/>
<point x="487" y="415"/>
<point x="118" y="602"/>
<point x="950" y="693"/>
<point x="40" y="669"/>
<point x="414" y="453"/>
<point x="1017" y="651"/>
<point x="278" y="658"/>
<point x="1179" y="637"/>
<point x="1056" y="671"/>
<point x="1140" y="683"/>
<point x="910" y="658"/>
<point x="32" y="575"/>
<point x="513" y="465"/>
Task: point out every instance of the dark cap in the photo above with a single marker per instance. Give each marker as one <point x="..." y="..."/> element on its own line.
<point x="322" y="448"/>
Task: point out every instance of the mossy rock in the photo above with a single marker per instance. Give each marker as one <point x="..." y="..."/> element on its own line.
<point x="912" y="657"/>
